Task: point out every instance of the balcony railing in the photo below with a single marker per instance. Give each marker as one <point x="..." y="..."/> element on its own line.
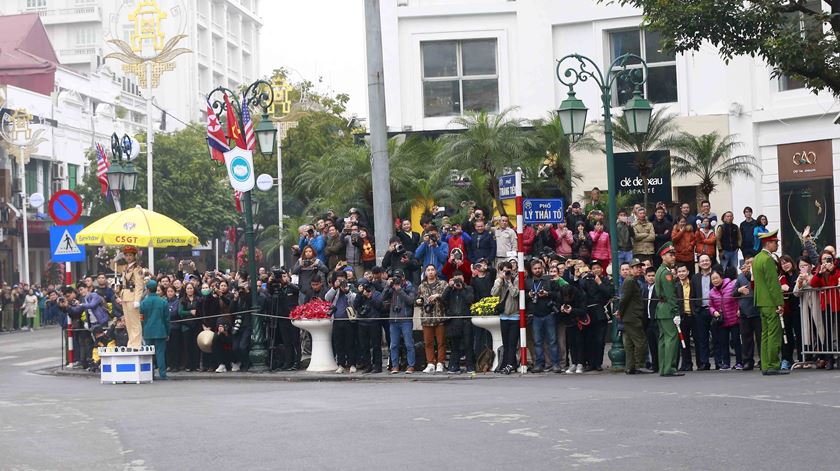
<point x="78" y="14"/>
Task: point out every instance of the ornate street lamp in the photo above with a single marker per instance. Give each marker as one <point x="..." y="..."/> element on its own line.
<point x="259" y="93"/>
<point x="572" y="112"/>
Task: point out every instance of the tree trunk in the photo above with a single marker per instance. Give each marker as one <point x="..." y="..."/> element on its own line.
<point x="493" y="188"/>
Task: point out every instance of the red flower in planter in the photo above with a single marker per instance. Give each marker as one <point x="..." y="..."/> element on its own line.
<point x="315" y="309"/>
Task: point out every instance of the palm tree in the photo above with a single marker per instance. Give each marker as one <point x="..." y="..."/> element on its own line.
<point x="661" y="128"/>
<point x="488" y="143"/>
<point x="552" y="141"/>
<point x="710" y="158"/>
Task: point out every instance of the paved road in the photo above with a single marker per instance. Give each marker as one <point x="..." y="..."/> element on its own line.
<point x="709" y="420"/>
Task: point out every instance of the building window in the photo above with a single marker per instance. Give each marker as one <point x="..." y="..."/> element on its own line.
<point x="661" y="83"/>
<point x="72" y="176"/>
<point x="85" y="37"/>
<point x="459" y="76"/>
<point x="808" y="28"/>
<point x="36" y="4"/>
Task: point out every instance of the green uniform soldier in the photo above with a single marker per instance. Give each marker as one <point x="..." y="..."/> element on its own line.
<point x="769" y="301"/>
<point x="631" y="312"/>
<point x="667" y="312"/>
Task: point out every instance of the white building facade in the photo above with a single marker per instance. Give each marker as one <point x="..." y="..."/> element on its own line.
<point x="443" y="57"/>
<point x="223" y="35"/>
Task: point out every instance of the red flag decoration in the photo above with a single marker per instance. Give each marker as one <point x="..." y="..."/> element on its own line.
<point x="233" y="127"/>
<point x="237" y="196"/>
<point x="102" y="165"/>
<point x="250" y="139"/>
<point x="215" y="137"/>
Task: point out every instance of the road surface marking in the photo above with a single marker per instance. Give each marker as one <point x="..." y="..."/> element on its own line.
<point x="38" y="361"/>
<point x="7" y="358"/>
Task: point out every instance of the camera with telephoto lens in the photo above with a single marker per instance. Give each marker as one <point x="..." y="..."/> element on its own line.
<point x="428" y="307"/>
<point x="307" y="262"/>
<point x="311" y="232"/>
<point x="397" y="277"/>
<point x="458" y="284"/>
<point x="237" y="324"/>
<point x="457" y="254"/>
<point x="399" y="249"/>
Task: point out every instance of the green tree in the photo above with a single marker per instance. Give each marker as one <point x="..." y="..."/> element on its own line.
<point x="710" y="158"/>
<point x="552" y="141"/>
<point x="488" y="143"/>
<point x="189" y="187"/>
<point x="770" y="29"/>
<point x="661" y="127"/>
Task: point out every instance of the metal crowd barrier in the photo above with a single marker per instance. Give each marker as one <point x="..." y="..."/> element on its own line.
<point x="819" y="310"/>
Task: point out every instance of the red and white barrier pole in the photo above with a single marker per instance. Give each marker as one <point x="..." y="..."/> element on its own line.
<point x="68" y="280"/>
<point x="520" y="259"/>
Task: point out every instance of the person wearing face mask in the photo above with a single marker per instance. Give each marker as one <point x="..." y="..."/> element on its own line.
<point x="208" y="308"/>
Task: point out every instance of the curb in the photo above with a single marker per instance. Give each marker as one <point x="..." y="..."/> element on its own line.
<point x="300" y="376"/>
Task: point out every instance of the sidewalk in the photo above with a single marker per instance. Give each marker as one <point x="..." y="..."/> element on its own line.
<point x="303" y="376"/>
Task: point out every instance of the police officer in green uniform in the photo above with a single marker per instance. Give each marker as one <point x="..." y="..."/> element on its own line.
<point x="631" y="311"/>
<point x="667" y="312"/>
<point x="769" y="301"/>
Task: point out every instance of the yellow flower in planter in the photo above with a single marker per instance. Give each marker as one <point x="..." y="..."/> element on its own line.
<point x="485" y="307"/>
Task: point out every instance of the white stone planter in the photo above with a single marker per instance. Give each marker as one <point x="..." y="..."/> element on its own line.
<point x="123" y="365"/>
<point x="492" y="324"/>
<point x="322" y="358"/>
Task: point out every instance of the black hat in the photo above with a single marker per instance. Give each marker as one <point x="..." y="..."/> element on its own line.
<point x="397" y="273"/>
<point x="576" y="205"/>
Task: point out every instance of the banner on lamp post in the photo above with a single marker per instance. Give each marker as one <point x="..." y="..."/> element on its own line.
<point x="240" y="167"/>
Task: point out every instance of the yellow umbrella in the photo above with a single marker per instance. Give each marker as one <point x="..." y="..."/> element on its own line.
<point x="138" y="227"/>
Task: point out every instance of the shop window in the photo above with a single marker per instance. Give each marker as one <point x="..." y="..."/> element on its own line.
<point x="459" y="76"/>
<point x="661" y="83"/>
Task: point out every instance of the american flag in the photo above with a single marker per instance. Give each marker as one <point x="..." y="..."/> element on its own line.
<point x="250" y="140"/>
<point x="102" y="165"/>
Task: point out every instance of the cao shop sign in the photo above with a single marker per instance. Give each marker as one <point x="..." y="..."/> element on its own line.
<point x="628" y="181"/>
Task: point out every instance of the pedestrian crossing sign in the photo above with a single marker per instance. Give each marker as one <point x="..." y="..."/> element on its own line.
<point x="63" y="246"/>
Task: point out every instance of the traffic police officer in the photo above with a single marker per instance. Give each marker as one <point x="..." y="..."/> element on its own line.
<point x="132" y="293"/>
<point x="667" y="312"/>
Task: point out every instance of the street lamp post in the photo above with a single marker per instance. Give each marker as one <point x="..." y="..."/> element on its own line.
<point x="22" y="141"/>
<point x="572" y="114"/>
<point x="259" y="94"/>
<point x="122" y="176"/>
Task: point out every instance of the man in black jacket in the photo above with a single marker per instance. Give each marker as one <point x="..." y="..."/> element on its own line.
<point x="599" y="291"/>
<point x="662" y="233"/>
<point x="650" y="300"/>
<point x="283" y="297"/>
<point x="458" y="297"/>
<point x="482" y="244"/>
<point x="747" y="228"/>
<point x="541" y="307"/>
<point x="368" y="306"/>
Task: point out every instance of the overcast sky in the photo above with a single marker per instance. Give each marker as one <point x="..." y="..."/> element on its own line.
<point x="318" y="38"/>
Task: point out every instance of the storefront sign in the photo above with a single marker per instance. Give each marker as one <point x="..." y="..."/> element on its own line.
<point x="628" y="181"/>
<point x="805" y="161"/>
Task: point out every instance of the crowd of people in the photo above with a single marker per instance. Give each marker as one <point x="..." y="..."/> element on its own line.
<point x="691" y="269"/>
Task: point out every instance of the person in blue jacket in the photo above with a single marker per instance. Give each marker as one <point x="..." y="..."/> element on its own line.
<point x="155" y="312"/>
<point x="432" y="251"/>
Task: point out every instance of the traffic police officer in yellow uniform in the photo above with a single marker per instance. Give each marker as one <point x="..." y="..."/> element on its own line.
<point x="132" y="294"/>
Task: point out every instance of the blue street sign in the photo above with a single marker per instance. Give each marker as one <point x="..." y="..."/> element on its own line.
<point x="63" y="246"/>
<point x="543" y="211"/>
<point x="507" y="187"/>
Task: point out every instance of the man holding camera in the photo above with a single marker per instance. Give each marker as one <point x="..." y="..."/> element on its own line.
<point x="344" y="332"/>
<point x="368" y="305"/>
<point x="432" y="251"/>
<point x="283" y="297"/>
<point x="540" y="305"/>
<point x="458" y="297"/>
<point x="398" y="299"/>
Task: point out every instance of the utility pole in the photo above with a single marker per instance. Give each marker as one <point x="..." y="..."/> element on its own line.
<point x="381" y="172"/>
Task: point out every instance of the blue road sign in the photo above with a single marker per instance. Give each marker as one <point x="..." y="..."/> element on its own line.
<point x="542" y="211"/>
<point x="63" y="246"/>
<point x="507" y="187"/>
